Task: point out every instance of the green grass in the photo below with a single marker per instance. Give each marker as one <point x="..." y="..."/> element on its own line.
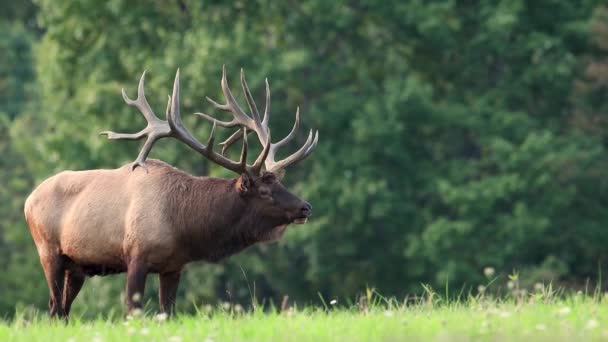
<point x="529" y="318"/>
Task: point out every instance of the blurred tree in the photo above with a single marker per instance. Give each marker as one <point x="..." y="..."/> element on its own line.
<point x="17" y="251"/>
<point x="16" y="67"/>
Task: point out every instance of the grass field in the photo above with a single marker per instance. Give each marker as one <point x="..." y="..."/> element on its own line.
<point x="530" y="318"/>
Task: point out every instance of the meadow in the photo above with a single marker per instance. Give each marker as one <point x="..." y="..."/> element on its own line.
<point x="539" y="316"/>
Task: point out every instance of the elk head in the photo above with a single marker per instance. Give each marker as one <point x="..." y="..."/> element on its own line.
<point x="258" y="184"/>
<point x="275" y="205"/>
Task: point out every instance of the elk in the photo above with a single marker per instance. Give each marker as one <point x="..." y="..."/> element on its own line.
<point x="149" y="217"/>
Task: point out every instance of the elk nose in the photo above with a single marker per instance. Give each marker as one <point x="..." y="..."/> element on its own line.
<point x="306" y="209"/>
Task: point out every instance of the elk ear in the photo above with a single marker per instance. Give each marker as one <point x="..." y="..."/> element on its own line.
<point x="243" y="184"/>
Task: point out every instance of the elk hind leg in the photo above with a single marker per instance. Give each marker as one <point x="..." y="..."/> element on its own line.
<point x="54" y="271"/>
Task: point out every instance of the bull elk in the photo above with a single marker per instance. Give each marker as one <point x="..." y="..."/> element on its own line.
<point x="149" y="217"/>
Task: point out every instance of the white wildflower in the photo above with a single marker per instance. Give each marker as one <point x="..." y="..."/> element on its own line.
<point x="489" y="272"/>
<point x="493" y="311"/>
<point x="592" y="324"/>
<point x="161" y="317"/>
<point x="333" y="302"/>
<point x="563" y="311"/>
<point x="136" y="313"/>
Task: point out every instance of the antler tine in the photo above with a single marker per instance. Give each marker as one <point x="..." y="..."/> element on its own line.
<point x="250" y="101"/>
<point x="314" y="144"/>
<point x="174" y="117"/>
<point x="267" y="107"/>
<point x="226" y="124"/>
<point x="140" y="102"/>
<point x="168" y="107"/>
<point x="234" y="137"/>
<point x="243" y="160"/>
<point x="240" y="118"/>
<point x="211" y="139"/>
<point x="260" y="162"/>
<point x="217" y="105"/>
<point x="291" y="134"/>
<point x="231" y="104"/>
<point x="300" y="155"/>
<point x="156" y="128"/>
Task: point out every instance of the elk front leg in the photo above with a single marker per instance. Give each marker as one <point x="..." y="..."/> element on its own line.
<point x="136" y="284"/>
<point x="167" y="292"/>
<point x="72" y="285"/>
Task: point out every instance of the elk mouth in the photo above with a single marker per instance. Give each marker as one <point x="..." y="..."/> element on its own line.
<point x="275" y="234"/>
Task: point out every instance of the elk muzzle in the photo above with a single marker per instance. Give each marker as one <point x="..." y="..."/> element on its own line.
<point x="305" y="212"/>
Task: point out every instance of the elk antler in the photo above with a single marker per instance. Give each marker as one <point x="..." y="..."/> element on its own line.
<point x="259" y="126"/>
<point x="173" y="127"/>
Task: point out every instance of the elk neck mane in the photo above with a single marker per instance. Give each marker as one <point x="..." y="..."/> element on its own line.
<point x="209" y="216"/>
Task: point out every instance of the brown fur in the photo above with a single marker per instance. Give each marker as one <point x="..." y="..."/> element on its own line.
<point x="100" y="222"/>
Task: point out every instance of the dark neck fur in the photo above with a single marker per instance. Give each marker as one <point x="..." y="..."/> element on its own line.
<point x="211" y="219"/>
